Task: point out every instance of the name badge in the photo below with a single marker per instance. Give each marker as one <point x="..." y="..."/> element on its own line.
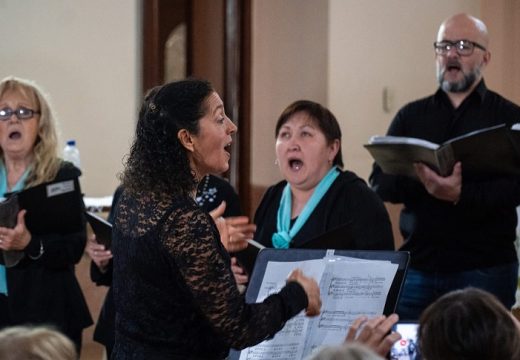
<point x="60" y="188"/>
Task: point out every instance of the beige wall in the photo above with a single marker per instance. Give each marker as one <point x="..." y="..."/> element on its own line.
<point x="289" y="56"/>
<point x="85" y="54"/>
<point x="375" y="46"/>
<point x="503" y="20"/>
<point x="344" y="54"/>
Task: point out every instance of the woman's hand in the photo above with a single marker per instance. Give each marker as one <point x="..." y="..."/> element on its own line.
<point x="16" y="238"/>
<point x="239" y="231"/>
<point x="311" y="289"/>
<point x="239" y="273"/>
<point x="234" y="231"/>
<point x="98" y="253"/>
<point x="375" y="333"/>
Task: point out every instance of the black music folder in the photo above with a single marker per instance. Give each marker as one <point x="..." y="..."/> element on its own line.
<point x="53" y="207"/>
<point x="102" y="229"/>
<point x="401" y="258"/>
<point x="330" y="317"/>
<point x="8" y="216"/>
<point x="493" y="150"/>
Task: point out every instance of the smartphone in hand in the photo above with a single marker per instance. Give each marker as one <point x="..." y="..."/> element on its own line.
<point x="407" y="348"/>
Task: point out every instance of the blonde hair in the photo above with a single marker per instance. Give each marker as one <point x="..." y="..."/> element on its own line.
<point x="45" y="164"/>
<point x="35" y="343"/>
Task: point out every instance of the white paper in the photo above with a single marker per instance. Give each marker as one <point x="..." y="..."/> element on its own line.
<point x="96" y="204"/>
<point x="349" y="288"/>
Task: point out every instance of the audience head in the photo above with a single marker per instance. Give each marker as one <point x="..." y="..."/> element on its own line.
<point x="348" y="351"/>
<point x="182" y="134"/>
<point x="461" y="53"/>
<point x="27" y="128"/>
<point x="468" y="324"/>
<point x="38" y="343"/>
<point x="308" y="142"/>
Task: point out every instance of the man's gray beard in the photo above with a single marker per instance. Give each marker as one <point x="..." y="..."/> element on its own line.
<point x="460" y="86"/>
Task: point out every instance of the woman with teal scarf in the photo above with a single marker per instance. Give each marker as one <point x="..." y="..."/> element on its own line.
<point x="317" y="196"/>
<point x="39" y="286"/>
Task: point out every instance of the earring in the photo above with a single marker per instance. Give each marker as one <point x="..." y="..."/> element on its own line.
<point x="276" y="162"/>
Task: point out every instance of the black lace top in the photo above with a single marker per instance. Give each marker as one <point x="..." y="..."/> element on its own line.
<point x="174" y="291"/>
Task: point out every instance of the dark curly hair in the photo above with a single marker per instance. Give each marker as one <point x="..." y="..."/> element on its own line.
<point x="157" y="161"/>
<point x="322" y="116"/>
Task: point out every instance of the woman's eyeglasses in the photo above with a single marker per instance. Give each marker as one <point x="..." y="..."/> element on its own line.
<point x="21" y="113"/>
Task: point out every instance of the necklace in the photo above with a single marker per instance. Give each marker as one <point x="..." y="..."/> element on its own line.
<point x="205" y="193"/>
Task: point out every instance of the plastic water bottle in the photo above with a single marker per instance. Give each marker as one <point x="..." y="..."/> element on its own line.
<point x="71" y="153"/>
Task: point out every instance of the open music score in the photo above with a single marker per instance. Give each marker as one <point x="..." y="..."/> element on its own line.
<point x="350" y="287"/>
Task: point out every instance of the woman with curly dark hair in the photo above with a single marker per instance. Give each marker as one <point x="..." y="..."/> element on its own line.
<point x="174" y="290"/>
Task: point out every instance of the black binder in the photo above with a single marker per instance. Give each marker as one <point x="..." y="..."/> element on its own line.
<point x="401" y="258"/>
<point x="102" y="229"/>
<point x="53" y="207"/>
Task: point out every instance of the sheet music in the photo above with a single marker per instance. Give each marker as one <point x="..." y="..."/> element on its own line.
<point x="349" y="288"/>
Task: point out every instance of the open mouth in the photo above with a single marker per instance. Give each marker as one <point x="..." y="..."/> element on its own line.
<point x="15" y="135"/>
<point x="453" y="67"/>
<point x="295" y="164"/>
<point x="227" y="148"/>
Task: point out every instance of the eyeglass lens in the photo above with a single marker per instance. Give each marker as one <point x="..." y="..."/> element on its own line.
<point x="21" y="113"/>
<point x="463" y="47"/>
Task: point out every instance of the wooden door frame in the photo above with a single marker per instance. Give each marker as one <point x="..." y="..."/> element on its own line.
<point x="236" y="68"/>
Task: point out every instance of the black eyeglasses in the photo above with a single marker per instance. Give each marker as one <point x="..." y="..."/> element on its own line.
<point x="463" y="47"/>
<point x="21" y="113"/>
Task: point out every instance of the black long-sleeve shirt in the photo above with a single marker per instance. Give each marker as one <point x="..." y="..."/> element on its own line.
<point x="479" y="230"/>
<point x="210" y="193"/>
<point x="174" y="291"/>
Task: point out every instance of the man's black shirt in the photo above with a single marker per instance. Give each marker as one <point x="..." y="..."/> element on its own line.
<point x="480" y="229"/>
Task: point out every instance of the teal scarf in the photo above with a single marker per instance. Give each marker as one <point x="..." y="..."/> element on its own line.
<point x="3" y="189"/>
<point x="283" y="237"/>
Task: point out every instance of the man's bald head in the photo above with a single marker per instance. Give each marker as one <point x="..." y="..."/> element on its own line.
<point x="464" y="26"/>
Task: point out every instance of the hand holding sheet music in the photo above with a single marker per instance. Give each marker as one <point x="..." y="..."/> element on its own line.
<point x="350" y="287"/>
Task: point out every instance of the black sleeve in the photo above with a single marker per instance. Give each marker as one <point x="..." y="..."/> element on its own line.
<point x="207" y="274"/>
<point x="490" y="195"/>
<point x="265" y="216"/>
<point x="371" y="227"/>
<point x="101" y="278"/>
<point x="392" y="188"/>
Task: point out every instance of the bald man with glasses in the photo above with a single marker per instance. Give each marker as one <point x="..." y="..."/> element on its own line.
<point x="460" y="229"/>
